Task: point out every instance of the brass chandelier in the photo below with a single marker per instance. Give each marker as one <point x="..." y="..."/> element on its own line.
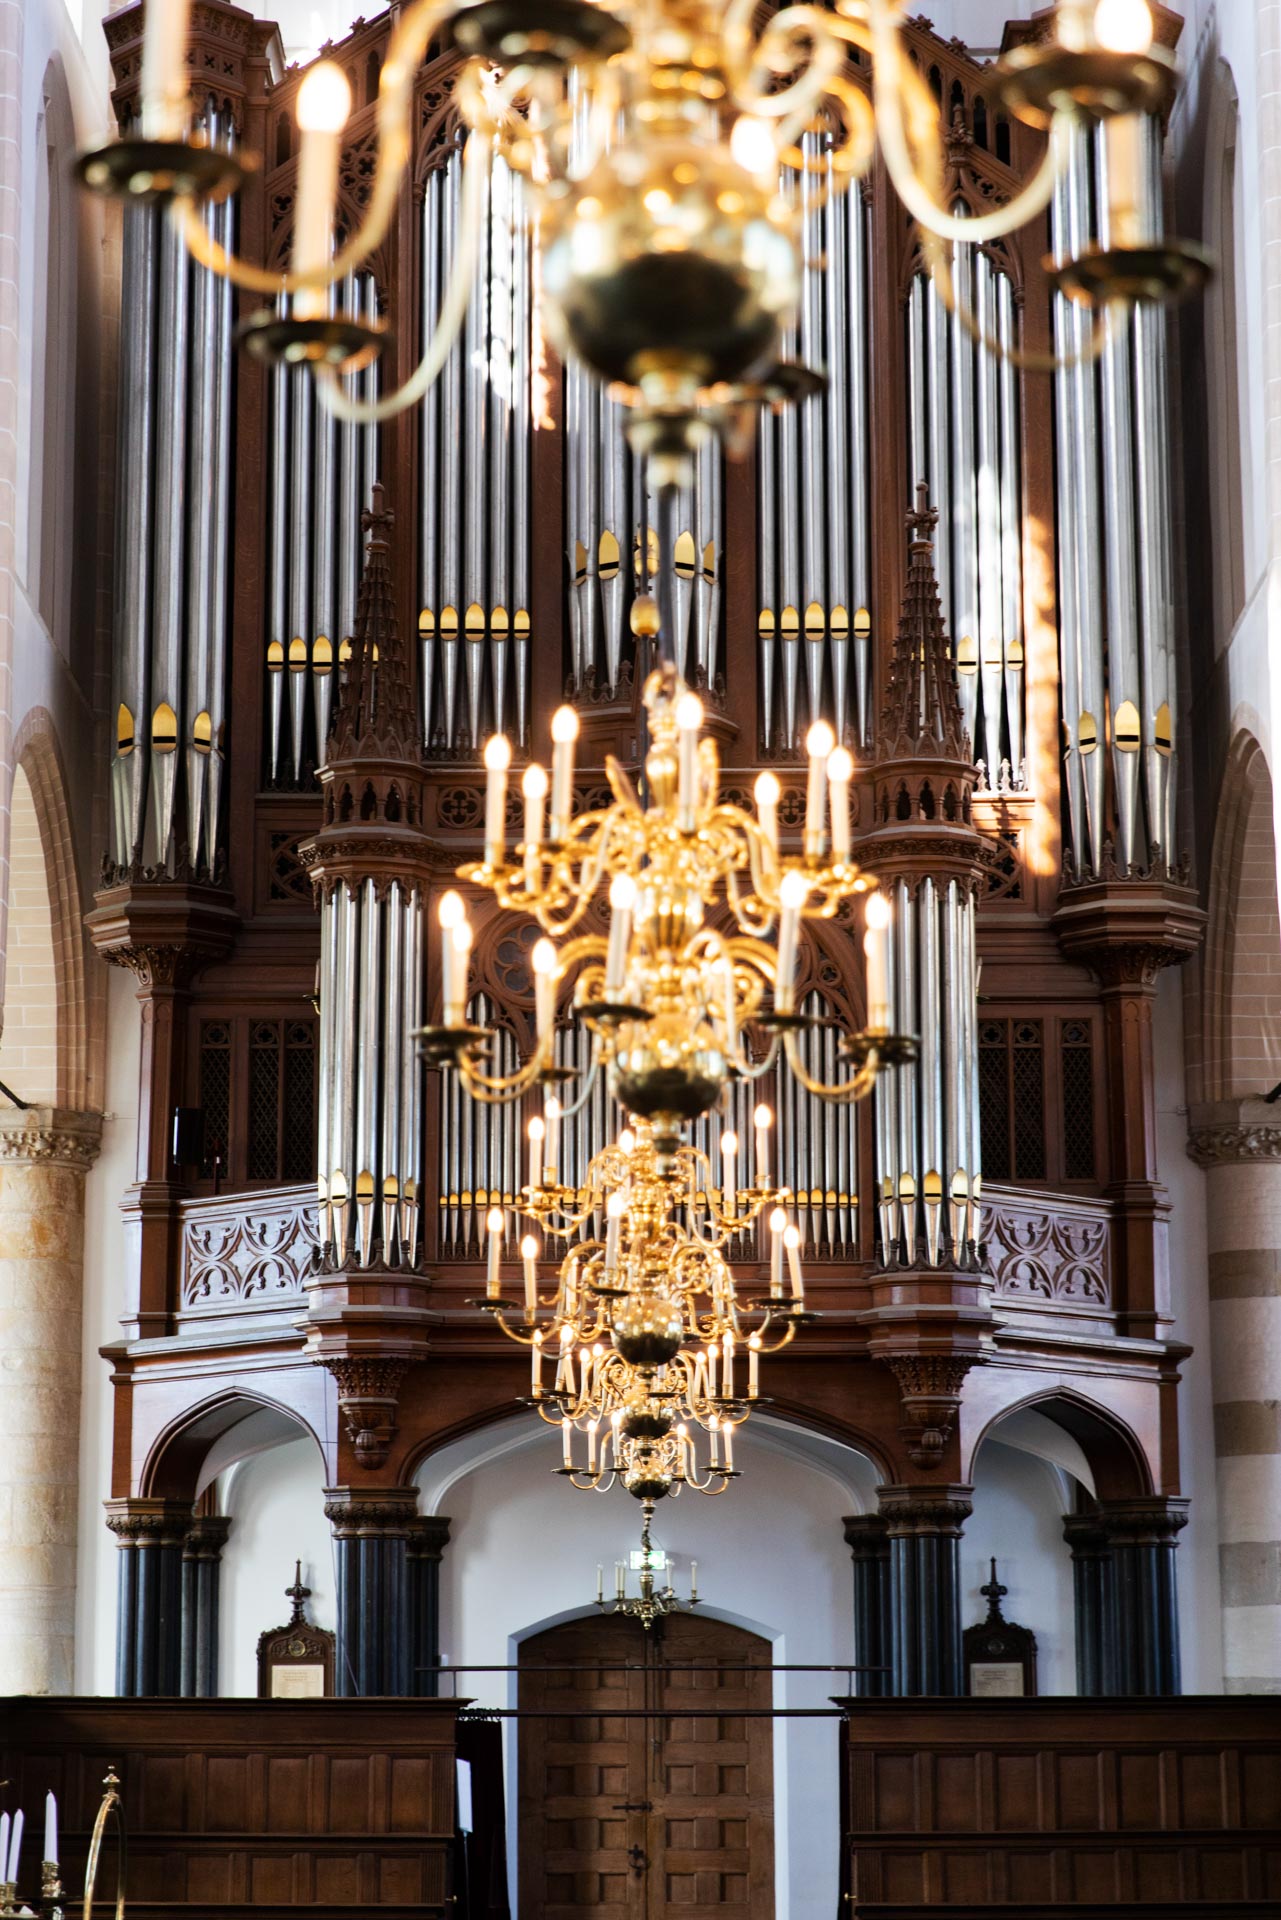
<point x="646" y="1343"/>
<point x="667" y="996"/>
<point x="652" y="136"/>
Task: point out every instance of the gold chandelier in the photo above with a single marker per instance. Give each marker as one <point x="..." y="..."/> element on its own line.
<point x="646" y="1342"/>
<point x="667" y="996"/>
<point x="652" y="135"/>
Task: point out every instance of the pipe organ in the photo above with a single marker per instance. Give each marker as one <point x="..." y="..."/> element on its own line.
<point x="963" y="433"/>
<point x="322" y="477"/>
<point x="477" y="421"/>
<point x="1115" y="567"/>
<point x="176" y="436"/>
<point x="814" y="623"/>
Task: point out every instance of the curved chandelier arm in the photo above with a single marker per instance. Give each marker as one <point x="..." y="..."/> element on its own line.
<point x="843" y="1091"/>
<point x="896" y="80"/>
<point x="405" y="54"/>
<point x="333" y="395"/>
<point x="571" y="1109"/>
<point x="505" y="1086"/>
<point x="940" y="258"/>
<point x="782" y="49"/>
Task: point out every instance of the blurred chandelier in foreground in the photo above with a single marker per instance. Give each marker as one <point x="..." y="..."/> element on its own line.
<point x="646" y="1341"/>
<point x="653" y="136"/>
<point x="667" y="997"/>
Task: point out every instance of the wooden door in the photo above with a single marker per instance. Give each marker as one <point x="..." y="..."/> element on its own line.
<point x="644" y="1789"/>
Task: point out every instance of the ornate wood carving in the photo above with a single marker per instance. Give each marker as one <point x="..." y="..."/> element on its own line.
<point x="297" y="1644"/>
<point x="998" y="1642"/>
<point x="239" y="1251"/>
<point x="1056" y="1252"/>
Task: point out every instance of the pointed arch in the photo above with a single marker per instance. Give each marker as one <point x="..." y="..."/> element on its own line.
<point x="37" y="754"/>
<point x="1242" y="980"/>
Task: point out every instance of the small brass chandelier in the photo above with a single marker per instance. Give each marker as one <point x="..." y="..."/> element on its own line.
<point x="653" y="1603"/>
<point x="652" y="135"/>
<point x="667" y="997"/>
<point x="646" y="1342"/>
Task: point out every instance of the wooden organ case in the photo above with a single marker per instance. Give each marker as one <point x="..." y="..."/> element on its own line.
<point x="521" y="528"/>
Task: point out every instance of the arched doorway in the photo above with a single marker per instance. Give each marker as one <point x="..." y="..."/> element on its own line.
<point x="646" y="1787"/>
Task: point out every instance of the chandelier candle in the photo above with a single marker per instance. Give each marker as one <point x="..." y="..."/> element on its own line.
<point x="324" y="102"/>
<point x="763" y="1120"/>
<point x="819" y="743"/>
<point x="537" y="1135"/>
<point x="768" y="793"/>
<point x="729" y="1188"/>
<point x="876" y="948"/>
<point x="792" y="1242"/>
<point x="622" y="900"/>
<point x="840" y="772"/>
<point x="793" y="893"/>
<point x="166" y="82"/>
<point x="689" y="720"/>
<point x="534" y="788"/>
<point x="544" y="963"/>
<point x="494" y="1233"/>
<point x="754" y="1366"/>
<point x="777" y="1230"/>
<point x="529" y="1257"/>
<point x="564" y="734"/>
<point x="498" y="758"/>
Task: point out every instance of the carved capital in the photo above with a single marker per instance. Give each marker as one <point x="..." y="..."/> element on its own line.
<point x="909" y="1511"/>
<point x="1127" y="928"/>
<point x="866" y="1536"/>
<point x="49" y="1136"/>
<point x="368" y="1394"/>
<point x="164" y="931"/>
<point x="139" y="1522"/>
<point x="428" y="1536"/>
<point x="1153" y="1522"/>
<point x="1234" y="1132"/>
<point x="929" y="1387"/>
<point x="366" y="1512"/>
<point x="206" y="1537"/>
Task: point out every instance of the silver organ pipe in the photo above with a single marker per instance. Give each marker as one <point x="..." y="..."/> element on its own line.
<point x="814" y="622"/>
<point x="1115" y="567"/>
<point x="963" y="439"/>
<point x="474" y="537"/>
<point x="322" y="476"/>
<point x="171" y="612"/>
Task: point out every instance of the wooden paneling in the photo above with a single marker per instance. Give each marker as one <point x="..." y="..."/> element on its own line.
<point x="1050" y="1803"/>
<point x="273" y="1805"/>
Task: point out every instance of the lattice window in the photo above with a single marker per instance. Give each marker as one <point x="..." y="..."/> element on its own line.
<point x="1076" y="1057"/>
<point x="1012" y="1099"/>
<point x="215" y="1092"/>
<point x="264" y="1100"/>
<point x="298" y="1124"/>
<point x="288" y="881"/>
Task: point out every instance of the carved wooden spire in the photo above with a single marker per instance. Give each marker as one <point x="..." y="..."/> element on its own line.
<point x="373" y="715"/>
<point x="922" y="715"/>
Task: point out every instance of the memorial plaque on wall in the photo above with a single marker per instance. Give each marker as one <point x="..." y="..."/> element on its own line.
<point x="1000" y="1656"/>
<point x="296" y="1661"/>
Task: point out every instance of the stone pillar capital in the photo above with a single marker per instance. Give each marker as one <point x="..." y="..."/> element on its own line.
<point x="910" y="1511"/>
<point x="428" y="1536"/>
<point x="140" y="1522"/>
<point x="1234" y="1133"/>
<point x="49" y="1137"/>
<point x="1151" y="1522"/>
<point x="866" y="1536"/>
<point x="206" y="1537"/>
<point x="368" y="1512"/>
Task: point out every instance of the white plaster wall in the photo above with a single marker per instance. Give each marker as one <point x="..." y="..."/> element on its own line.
<point x="1019" y="1503"/>
<point x="276" y="1502"/>
<point x="104" y="1266"/>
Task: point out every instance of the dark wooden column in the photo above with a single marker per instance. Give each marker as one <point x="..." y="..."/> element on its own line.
<point x="372" y="1528"/>
<point x="924" y="1524"/>
<point x="869" y="1545"/>
<point x="151" y="1536"/>
<point x="1094" y="1596"/>
<point x="201" y="1575"/>
<point x="1143" y="1535"/>
<point x="428" y="1538"/>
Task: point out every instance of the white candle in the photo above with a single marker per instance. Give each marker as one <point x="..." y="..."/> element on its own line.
<point x="729" y="1189"/>
<point x="792" y="1242"/>
<point x="613" y="1231"/>
<point x="537" y="1135"/>
<point x="819" y="742"/>
<point x="591" y="1445"/>
<point x="727" y="1366"/>
<point x="536" y="1366"/>
<point x="777" y="1228"/>
<point x="567" y="1442"/>
<point x="564" y="734"/>
<point x="51" y="1828"/>
<point x="1122" y="26"/>
<point x="689" y="721"/>
<point x="544" y="962"/>
<point x="4" y="1846"/>
<point x="164" y="81"/>
<point x="622" y="899"/>
<point x="876" y="947"/>
<point x="731" y="1008"/>
<point x="729" y="1446"/>
<point x="551" y="1118"/>
<point x="768" y="794"/>
<point x="529" y="1256"/>
<point x="459" y="946"/>
<point x="793" y="894"/>
<point x="763" y="1120"/>
<point x="324" y="101"/>
<point x="534" y="788"/>
<point x="620" y="1579"/>
<point x="711" y="1373"/>
<point x="714" y="1443"/>
<point x="754" y="1366"/>
<point x="451" y="914"/>
<point x="840" y="772"/>
<point x="494" y="1229"/>
<point x="15" y="1847"/>
<point x="600" y="1585"/>
<point x="498" y="758"/>
<point x="693" y="1579"/>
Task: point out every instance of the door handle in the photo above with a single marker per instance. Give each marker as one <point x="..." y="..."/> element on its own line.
<point x="639" y="1859"/>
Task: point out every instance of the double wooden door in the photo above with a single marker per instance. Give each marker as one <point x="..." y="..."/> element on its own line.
<point x="645" y="1788"/>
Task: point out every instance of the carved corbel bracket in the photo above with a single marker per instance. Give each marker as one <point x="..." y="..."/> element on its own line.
<point x="1127" y="929"/>
<point x="164" y="931"/>
<point x="368" y="1399"/>
<point x="929" y="1387"/>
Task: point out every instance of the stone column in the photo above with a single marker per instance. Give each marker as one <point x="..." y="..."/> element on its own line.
<point x="1238" y="1142"/>
<point x="151" y="1535"/>
<point x="924" y="1525"/>
<point x="44" y="1154"/>
<point x="201" y="1573"/>
<point x="869" y="1546"/>
<point x="428" y="1538"/>
<point x="372" y="1528"/>
<point x="1094" y="1593"/>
